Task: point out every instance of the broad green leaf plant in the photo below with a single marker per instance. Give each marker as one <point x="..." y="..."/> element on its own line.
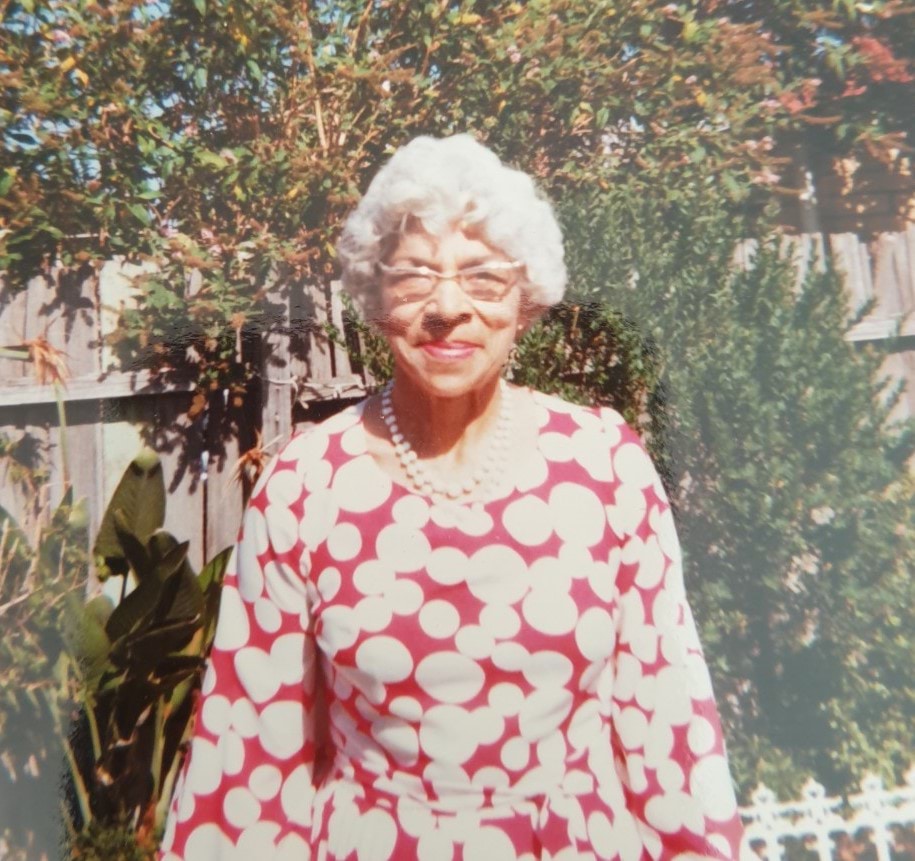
<point x="106" y="689"/>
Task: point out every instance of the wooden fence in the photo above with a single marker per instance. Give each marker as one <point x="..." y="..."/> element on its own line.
<point x="110" y="409"/>
<point x="879" y="275"/>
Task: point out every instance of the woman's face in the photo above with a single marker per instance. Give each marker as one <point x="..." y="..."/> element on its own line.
<point x="446" y="341"/>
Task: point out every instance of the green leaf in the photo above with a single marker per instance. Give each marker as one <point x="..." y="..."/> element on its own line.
<point x="166" y="553"/>
<point x="140" y="500"/>
<point x="140" y="213"/>
<point x="211" y="574"/>
<point x="133" y="697"/>
<point x="16" y="535"/>
<point x="149" y="646"/>
<point x="130" y="613"/>
<point x="201" y="6"/>
<point x="212" y="159"/>
<point x="90" y="642"/>
<point x="181" y="596"/>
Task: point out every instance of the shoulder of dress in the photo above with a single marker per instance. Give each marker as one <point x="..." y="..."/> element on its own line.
<point x="312" y="441"/>
<point x="589" y="417"/>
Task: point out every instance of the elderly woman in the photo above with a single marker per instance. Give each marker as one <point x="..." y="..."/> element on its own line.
<point x="479" y="585"/>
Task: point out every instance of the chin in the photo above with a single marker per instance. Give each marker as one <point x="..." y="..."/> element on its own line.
<point x="450" y="386"/>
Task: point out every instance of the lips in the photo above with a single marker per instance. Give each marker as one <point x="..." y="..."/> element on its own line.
<point x="448" y="351"/>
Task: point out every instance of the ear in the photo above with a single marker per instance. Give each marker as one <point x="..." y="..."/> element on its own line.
<point x="530" y="314"/>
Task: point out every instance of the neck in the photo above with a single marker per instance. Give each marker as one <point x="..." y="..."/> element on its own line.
<point x="445" y="427"/>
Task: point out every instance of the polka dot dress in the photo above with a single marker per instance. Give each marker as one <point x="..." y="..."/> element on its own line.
<point x="513" y="680"/>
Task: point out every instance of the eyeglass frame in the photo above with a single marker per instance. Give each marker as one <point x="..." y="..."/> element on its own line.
<point x="457" y="276"/>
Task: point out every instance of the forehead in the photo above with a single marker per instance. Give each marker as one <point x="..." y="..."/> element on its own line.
<point x="454" y="242"/>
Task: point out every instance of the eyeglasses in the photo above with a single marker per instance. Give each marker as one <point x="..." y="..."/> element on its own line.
<point x="489" y="282"/>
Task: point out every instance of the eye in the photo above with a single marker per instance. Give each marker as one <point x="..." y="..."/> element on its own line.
<point x="408" y="279"/>
<point x="488" y="282"/>
<point x="489" y="276"/>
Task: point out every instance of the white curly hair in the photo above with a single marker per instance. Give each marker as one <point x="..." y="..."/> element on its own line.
<point x="440" y="182"/>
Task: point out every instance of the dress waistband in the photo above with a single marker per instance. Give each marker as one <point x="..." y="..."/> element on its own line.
<point x="489" y="793"/>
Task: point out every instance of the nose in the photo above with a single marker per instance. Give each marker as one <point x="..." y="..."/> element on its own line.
<point x="448" y="301"/>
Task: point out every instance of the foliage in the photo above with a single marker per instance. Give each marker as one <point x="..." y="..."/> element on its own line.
<point x="108" y="690"/>
<point x="23" y="463"/>
<point x="588" y="353"/>
<point x="790" y="488"/>
<point x="222" y="142"/>
<point x="38" y="688"/>
<point x="846" y="67"/>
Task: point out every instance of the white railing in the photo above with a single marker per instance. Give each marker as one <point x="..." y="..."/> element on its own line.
<point x="816" y="820"/>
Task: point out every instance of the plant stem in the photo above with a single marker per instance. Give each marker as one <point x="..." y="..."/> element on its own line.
<point x="158" y="746"/>
<point x="13" y="353"/>
<point x="68" y="823"/>
<point x="62" y="422"/>
<point x="82" y="794"/>
<point x="89" y="706"/>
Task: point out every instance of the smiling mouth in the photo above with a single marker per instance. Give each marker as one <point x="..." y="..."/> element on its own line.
<point x="448" y="350"/>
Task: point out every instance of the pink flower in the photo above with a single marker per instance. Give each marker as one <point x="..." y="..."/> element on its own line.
<point x="765" y="177"/>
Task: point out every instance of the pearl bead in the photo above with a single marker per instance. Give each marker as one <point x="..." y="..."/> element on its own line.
<point x="491" y="464"/>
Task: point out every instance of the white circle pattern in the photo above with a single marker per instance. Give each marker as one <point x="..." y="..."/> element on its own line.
<point x="494" y="674"/>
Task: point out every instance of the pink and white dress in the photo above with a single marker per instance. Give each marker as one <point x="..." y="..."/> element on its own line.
<point x="519" y="679"/>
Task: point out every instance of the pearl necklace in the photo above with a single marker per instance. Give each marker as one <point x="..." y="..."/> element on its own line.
<point x="490" y="469"/>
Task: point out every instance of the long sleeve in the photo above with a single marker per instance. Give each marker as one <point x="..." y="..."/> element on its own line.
<point x="667" y="742"/>
<point x="246" y="787"/>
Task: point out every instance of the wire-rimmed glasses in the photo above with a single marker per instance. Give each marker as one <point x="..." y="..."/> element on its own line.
<point x="488" y="282"/>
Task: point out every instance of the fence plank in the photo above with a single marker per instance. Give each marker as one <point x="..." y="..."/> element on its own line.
<point x="301" y="324"/>
<point x="276" y="379"/>
<point x="12" y="330"/>
<point x="116" y="291"/>
<point x="852" y="260"/>
<point x="342" y="367"/>
<point x="43" y="318"/>
<point x="84" y="457"/>
<point x="744" y="254"/>
<point x="320" y="349"/>
<point x="79" y="302"/>
<point x="909" y="287"/>
<point x="900" y="366"/>
<point x="20" y="392"/>
<point x="807" y="251"/>
<point x="26" y="477"/>
<point x="889" y="274"/>
<point x="223" y="500"/>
